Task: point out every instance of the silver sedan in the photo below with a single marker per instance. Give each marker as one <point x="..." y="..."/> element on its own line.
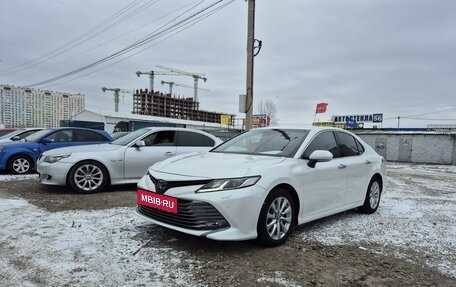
<point x="88" y="169"/>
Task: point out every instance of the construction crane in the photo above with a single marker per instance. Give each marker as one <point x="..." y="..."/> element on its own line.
<point x="171" y="84"/>
<point x="195" y="76"/>
<point x="152" y="76"/>
<point x="116" y="95"/>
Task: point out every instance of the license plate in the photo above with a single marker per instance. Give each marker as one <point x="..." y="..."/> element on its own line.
<point x="158" y="201"/>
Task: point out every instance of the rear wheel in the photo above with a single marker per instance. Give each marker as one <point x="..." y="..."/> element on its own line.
<point x="88" y="177"/>
<point x="373" y="194"/>
<point x="20" y="164"/>
<point x="276" y="220"/>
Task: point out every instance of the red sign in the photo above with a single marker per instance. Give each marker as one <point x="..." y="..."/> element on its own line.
<point x="158" y="201"/>
<point x="321" y="108"/>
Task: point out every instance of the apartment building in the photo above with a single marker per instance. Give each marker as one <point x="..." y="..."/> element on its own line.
<point x="26" y="107"/>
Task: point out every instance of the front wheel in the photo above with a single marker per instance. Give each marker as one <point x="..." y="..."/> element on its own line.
<point x="20" y="164"/>
<point x="88" y="177"/>
<point x="276" y="220"/>
<point x="373" y="194"/>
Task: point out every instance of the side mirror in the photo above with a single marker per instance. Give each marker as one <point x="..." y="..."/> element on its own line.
<point x="140" y="144"/>
<point x="319" y="156"/>
<point x="15" y="138"/>
<point x="47" y="141"/>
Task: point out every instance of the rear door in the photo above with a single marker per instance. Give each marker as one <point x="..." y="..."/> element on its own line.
<point x="356" y="167"/>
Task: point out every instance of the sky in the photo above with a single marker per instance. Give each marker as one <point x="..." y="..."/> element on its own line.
<point x="395" y="57"/>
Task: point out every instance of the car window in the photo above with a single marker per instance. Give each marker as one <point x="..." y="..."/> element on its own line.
<point x="347" y="144"/>
<point x="360" y="147"/>
<point x="25" y="134"/>
<point x="161" y="138"/>
<point x="87" y="136"/>
<point x="38" y="135"/>
<point x="186" y="138"/>
<point x="323" y="141"/>
<point x="61" y="136"/>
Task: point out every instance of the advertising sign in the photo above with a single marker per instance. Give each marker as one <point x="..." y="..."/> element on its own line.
<point x="368" y="118"/>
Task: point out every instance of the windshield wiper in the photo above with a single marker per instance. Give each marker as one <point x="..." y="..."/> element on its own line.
<point x="285" y="135"/>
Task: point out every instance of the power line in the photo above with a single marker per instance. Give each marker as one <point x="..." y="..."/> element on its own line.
<point x="412" y="116"/>
<point x="115" y="38"/>
<point x="79" y="40"/>
<point x="193" y="22"/>
<point x="131" y="47"/>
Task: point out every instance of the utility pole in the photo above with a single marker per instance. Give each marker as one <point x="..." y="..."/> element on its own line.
<point x="250" y="55"/>
<point x="398" y="122"/>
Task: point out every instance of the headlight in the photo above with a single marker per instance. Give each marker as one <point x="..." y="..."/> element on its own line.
<point x="55" y="158"/>
<point x="228" y="183"/>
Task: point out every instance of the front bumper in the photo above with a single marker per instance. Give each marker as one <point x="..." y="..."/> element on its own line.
<point x="240" y="208"/>
<point x="53" y="173"/>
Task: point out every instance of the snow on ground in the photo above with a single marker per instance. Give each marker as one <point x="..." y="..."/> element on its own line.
<point x="417" y="214"/>
<point x="416" y="221"/>
<point x="83" y="248"/>
<point x="11" y="177"/>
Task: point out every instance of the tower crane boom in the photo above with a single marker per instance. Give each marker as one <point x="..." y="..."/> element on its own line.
<point x="171" y="84"/>
<point x="152" y="76"/>
<point x="195" y="76"/>
<point x="116" y="95"/>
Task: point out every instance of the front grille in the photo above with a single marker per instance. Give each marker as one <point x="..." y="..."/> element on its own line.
<point x="196" y="215"/>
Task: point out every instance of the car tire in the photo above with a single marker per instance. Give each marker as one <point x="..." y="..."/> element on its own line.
<point x="277" y="218"/>
<point x="373" y="195"/>
<point x="20" y="164"/>
<point x="88" y="177"/>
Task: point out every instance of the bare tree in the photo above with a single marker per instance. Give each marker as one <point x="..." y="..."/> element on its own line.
<point x="269" y="108"/>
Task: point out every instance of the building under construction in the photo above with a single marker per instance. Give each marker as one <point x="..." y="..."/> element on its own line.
<point x="165" y="105"/>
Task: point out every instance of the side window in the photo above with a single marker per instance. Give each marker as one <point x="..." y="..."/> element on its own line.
<point x="163" y="138"/>
<point x="87" y="136"/>
<point x="323" y="141"/>
<point x="25" y="134"/>
<point x="360" y="147"/>
<point x="347" y="144"/>
<point x="193" y="139"/>
<point x="62" y="136"/>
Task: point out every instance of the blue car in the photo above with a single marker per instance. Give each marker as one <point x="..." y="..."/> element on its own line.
<point x="20" y="157"/>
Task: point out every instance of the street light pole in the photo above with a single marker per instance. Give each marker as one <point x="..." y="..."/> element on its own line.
<point x="250" y="55"/>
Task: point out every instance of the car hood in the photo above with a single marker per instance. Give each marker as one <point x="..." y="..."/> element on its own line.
<point x="18" y="144"/>
<point x="215" y="165"/>
<point x="93" y="148"/>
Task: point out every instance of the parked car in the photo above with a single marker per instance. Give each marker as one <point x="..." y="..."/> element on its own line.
<point x="89" y="169"/>
<point x="18" y="134"/>
<point x="5" y="131"/>
<point x="20" y="157"/>
<point x="116" y="135"/>
<point x="262" y="183"/>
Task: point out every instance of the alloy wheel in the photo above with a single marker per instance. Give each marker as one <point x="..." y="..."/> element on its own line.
<point x="88" y="177"/>
<point x="21" y="165"/>
<point x="374" y="195"/>
<point x="279" y="218"/>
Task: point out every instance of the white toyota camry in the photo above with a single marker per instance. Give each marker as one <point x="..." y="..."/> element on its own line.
<point x="262" y="183"/>
<point x="89" y="169"/>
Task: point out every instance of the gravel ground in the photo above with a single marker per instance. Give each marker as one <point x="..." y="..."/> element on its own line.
<point x="52" y="237"/>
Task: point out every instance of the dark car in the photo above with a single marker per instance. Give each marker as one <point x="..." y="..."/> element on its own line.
<point x="20" y="157"/>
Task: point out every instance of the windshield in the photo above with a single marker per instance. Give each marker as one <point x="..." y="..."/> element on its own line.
<point x="272" y="142"/>
<point x="10" y="134"/>
<point x="126" y="139"/>
<point x="37" y="135"/>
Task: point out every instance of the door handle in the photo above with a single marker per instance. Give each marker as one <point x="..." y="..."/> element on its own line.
<point x="367" y="162"/>
<point x="341" y="166"/>
<point x="169" y="153"/>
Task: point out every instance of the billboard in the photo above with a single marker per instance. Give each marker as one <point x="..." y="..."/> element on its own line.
<point x="366" y="118"/>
